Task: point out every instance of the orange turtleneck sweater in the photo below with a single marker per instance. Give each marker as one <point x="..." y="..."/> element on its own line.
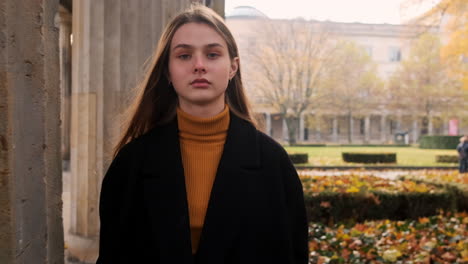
<point x="201" y="143"/>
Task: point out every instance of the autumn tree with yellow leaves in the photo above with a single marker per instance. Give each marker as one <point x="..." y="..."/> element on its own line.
<point x="350" y="83"/>
<point x="422" y="86"/>
<point x="451" y="16"/>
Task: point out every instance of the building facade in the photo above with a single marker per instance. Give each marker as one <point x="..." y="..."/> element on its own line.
<point x="387" y="45"/>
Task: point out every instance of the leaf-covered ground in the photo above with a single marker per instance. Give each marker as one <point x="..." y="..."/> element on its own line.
<point x="359" y="183"/>
<point x="440" y="176"/>
<point x="437" y="239"/>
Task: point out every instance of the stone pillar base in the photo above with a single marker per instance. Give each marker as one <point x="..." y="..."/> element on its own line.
<point x="81" y="250"/>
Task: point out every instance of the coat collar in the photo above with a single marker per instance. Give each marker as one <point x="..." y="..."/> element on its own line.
<point x="166" y="197"/>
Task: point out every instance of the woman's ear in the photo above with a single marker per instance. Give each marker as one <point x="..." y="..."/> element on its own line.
<point x="234" y="67"/>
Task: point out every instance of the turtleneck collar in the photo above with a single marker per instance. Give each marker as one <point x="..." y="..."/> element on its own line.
<point x="204" y="130"/>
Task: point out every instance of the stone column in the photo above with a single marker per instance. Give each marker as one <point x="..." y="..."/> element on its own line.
<point x="63" y="22"/>
<point x="430" y="127"/>
<point x="31" y="228"/>
<point x="398" y="124"/>
<point x="268" y="123"/>
<point x="301" y="127"/>
<point x="445" y="126"/>
<point x="415" y="130"/>
<point x="285" y="129"/>
<point x="170" y="8"/>
<point x="367" y="129"/>
<point x="335" y="129"/>
<point x="383" y="134"/>
<point x="351" y="128"/>
<point x="113" y="39"/>
<point x="216" y="5"/>
<point x="88" y="18"/>
<point x="318" y="136"/>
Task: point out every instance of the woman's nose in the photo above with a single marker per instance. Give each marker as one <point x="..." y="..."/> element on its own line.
<point x="199" y="65"/>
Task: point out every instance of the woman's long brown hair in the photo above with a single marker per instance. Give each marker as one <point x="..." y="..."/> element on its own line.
<point x="157" y="100"/>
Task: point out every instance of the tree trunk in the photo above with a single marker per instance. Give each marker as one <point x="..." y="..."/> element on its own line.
<point x="424" y="125"/>
<point x="350" y="128"/>
<point x="292" y="124"/>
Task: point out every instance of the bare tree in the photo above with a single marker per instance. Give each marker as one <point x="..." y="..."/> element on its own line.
<point x="285" y="67"/>
<point x="350" y="83"/>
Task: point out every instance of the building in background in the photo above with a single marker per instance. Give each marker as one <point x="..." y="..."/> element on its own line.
<point x="386" y="44"/>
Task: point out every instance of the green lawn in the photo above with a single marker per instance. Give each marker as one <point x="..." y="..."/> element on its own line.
<point x="406" y="156"/>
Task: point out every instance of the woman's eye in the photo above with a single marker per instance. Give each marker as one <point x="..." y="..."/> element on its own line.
<point x="184" y="56"/>
<point x="213" y="55"/>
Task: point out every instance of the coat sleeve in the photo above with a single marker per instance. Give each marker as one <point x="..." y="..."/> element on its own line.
<point x="114" y="208"/>
<point x="296" y="211"/>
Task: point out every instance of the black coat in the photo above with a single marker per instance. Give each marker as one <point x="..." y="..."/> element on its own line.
<point x="256" y="211"/>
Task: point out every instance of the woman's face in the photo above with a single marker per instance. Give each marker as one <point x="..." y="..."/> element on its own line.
<point x="200" y="68"/>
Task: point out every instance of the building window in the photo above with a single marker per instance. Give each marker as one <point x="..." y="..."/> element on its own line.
<point x="329" y="122"/>
<point x="394" y="54"/>
<point x="362" y="126"/>
<point x="368" y="50"/>
<point x="392" y="126"/>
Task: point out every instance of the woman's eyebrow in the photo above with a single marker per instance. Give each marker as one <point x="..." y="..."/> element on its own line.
<point x="187" y="46"/>
<point x="212" y="45"/>
<point x="182" y="46"/>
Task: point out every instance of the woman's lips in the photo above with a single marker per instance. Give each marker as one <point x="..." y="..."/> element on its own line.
<point x="200" y="83"/>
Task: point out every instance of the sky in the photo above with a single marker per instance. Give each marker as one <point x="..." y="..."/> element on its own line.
<point x="364" y="11"/>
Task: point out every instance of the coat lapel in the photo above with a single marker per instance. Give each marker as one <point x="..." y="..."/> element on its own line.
<point x="223" y="220"/>
<point x="165" y="195"/>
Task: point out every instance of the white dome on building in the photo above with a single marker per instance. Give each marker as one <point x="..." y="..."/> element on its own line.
<point x="246" y="12"/>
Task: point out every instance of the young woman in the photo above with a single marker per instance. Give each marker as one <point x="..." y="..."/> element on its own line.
<point x="193" y="180"/>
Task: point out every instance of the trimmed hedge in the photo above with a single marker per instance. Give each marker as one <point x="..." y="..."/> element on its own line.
<point x="298" y="158"/>
<point x="369" y="157"/>
<point x="447" y="158"/>
<point x="308" y="145"/>
<point x="439" y="142"/>
<point x="460" y="191"/>
<point x="331" y="208"/>
<point x="349" y="208"/>
<point x="373" y="145"/>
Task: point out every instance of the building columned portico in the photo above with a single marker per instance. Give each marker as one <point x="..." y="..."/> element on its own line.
<point x="371" y="128"/>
